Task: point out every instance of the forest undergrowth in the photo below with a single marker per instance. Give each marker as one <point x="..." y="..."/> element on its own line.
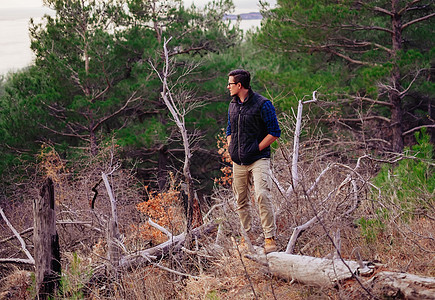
<point x="382" y="208"/>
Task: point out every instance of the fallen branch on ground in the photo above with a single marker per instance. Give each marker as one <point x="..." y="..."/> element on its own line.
<point x="324" y="272"/>
<point x="160" y="228"/>
<point x="20" y="261"/>
<point x="30" y="259"/>
<point x="409" y="286"/>
<point x="311" y="270"/>
<point x="172" y="245"/>
<point x="62" y="222"/>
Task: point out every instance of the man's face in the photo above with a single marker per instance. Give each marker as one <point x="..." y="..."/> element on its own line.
<point x="233" y="86"/>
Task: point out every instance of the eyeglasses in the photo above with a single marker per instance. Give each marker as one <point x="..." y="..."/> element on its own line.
<point x="230" y="83"/>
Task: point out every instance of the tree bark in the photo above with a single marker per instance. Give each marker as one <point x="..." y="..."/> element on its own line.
<point x="162" y="172"/>
<point x="403" y="285"/>
<point x="113" y="235"/>
<point x="46" y="241"/>
<point x="93" y="140"/>
<point x="394" y="91"/>
<point x="324" y="272"/>
<point x="178" y="116"/>
<point x="312" y="270"/>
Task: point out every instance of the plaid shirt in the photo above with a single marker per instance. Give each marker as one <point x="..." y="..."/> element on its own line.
<point x="269" y="117"/>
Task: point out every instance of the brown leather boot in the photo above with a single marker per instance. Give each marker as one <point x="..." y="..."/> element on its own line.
<point x="270" y="245"/>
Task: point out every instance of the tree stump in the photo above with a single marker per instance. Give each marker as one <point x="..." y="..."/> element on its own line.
<point x="46" y="241"/>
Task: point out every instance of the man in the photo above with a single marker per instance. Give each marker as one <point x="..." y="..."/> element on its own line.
<point x="252" y="127"/>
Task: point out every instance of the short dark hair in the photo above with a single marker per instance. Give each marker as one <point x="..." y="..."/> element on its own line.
<point x="241" y="76"/>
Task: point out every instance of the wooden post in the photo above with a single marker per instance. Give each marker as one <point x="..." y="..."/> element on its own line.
<point x="46" y="241"/>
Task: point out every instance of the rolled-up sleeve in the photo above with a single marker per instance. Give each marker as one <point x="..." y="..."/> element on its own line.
<point x="268" y="115"/>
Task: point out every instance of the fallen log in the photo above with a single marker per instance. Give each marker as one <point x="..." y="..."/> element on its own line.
<point x="313" y="270"/>
<point x="325" y="272"/>
<point x="403" y="285"/>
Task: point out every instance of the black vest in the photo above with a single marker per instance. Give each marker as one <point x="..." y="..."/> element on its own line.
<point x="247" y="129"/>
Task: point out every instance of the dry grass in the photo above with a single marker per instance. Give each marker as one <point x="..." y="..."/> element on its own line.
<point x="142" y="283"/>
<point x="228" y="279"/>
<point x="405" y="246"/>
<point x="16" y="285"/>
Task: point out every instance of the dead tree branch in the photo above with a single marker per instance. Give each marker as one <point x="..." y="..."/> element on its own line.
<point x="294" y="168"/>
<point x="172" y="245"/>
<point x="62" y="222"/>
<point x="409" y="286"/>
<point x="20" y="261"/>
<point x="299" y="229"/>
<point x="324" y="272"/>
<point x="113" y="237"/>
<point x="161" y="228"/>
<point x="30" y="259"/>
<point x="178" y="114"/>
<point x="417" y="128"/>
<point x="313" y="270"/>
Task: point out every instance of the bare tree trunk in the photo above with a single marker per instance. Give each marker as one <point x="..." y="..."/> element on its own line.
<point x="163" y="169"/>
<point x="93" y="140"/>
<point x="113" y="241"/>
<point x="295" y="156"/>
<point x="393" y="93"/>
<point x="190" y="195"/>
<point x="46" y="241"/>
<point x="178" y="116"/>
<point x="295" y="174"/>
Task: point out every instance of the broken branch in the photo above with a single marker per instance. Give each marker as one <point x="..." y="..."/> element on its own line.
<point x="30" y="259"/>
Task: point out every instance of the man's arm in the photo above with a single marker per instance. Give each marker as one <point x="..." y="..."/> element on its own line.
<point x="228" y="131"/>
<point x="269" y="117"/>
<point x="266" y="142"/>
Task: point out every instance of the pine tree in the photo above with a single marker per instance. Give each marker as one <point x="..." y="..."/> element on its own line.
<point x="384" y="48"/>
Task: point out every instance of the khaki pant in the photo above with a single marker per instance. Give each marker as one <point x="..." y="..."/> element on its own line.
<point x="260" y="173"/>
